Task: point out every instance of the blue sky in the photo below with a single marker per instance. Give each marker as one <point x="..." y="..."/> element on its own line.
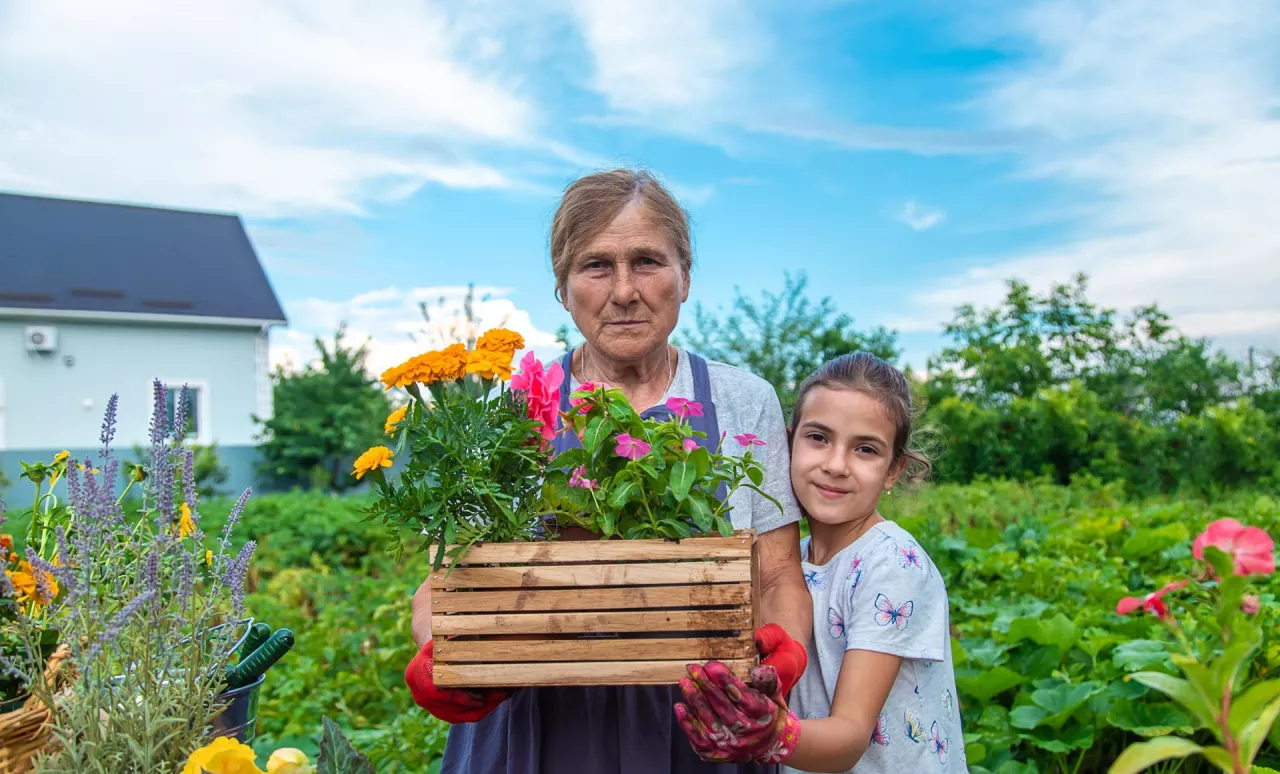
<point x="907" y="156"/>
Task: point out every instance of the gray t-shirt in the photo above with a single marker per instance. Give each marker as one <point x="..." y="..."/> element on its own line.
<point x="883" y="593"/>
<point x="745" y="403"/>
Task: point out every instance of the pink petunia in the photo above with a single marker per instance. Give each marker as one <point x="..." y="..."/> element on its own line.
<point x="542" y="391"/>
<point x="578" y="478"/>
<point x="631" y="448"/>
<point x="748" y="440"/>
<point x="1250" y="604"/>
<point x="1151" y="603"/>
<point x="1250" y="548"/>
<point x="689" y="445"/>
<point x="684" y="408"/>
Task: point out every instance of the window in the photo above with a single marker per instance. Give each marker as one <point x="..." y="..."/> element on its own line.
<point x="193" y="408"/>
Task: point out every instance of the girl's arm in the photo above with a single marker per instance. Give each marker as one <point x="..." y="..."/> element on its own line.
<point x="836" y="743"/>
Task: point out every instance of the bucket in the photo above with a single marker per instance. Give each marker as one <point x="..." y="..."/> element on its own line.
<point x="240" y="718"/>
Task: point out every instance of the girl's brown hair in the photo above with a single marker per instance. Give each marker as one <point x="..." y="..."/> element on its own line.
<point x="872" y="376"/>
<point x="591" y="203"/>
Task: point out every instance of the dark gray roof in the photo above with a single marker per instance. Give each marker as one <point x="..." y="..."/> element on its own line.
<point x="65" y="254"/>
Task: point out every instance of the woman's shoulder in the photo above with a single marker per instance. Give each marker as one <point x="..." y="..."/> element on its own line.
<point x="738" y="381"/>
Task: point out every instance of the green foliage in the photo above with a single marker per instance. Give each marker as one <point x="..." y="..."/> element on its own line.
<point x="783" y="337"/>
<point x="659" y="490"/>
<point x="337" y="756"/>
<point x="323" y="416"/>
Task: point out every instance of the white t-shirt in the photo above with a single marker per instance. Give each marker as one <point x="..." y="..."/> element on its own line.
<point x="745" y="403"/>
<point x="883" y="593"/>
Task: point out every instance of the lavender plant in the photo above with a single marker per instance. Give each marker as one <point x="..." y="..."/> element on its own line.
<point x="150" y="614"/>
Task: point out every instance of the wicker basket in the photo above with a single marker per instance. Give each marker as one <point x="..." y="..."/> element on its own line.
<point x="24" y="732"/>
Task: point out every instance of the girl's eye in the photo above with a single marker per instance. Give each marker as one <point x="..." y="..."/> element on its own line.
<point x="867" y="450"/>
<point x="816" y="437"/>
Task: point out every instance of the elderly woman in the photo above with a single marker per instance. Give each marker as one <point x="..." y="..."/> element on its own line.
<point x="620" y="250"/>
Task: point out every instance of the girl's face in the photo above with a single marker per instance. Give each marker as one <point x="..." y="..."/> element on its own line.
<point x="841" y="455"/>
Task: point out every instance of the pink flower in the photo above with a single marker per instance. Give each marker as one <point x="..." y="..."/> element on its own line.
<point x="684" y="408"/>
<point x="1151" y="603"/>
<point x="1250" y="548"/>
<point x="1250" y="605"/>
<point x="631" y="448"/>
<point x="542" y="391"/>
<point x="581" y="403"/>
<point x="577" y="478"/>
<point x="689" y="445"/>
<point x="748" y="439"/>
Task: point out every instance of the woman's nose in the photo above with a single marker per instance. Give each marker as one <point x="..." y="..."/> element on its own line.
<point x="624" y="287"/>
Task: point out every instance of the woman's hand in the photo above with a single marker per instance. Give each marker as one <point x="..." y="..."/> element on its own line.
<point x="728" y="721"/>
<point x="452" y="705"/>
<point x="780" y="651"/>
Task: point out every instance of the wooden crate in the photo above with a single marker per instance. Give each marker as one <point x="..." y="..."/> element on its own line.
<point x="611" y="612"/>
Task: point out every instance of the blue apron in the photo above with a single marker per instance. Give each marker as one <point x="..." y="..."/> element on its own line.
<point x="587" y="729"/>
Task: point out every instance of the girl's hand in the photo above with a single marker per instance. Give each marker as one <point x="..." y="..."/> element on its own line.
<point x="727" y="720"/>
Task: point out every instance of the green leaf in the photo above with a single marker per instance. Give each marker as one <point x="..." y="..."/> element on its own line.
<point x="701" y="459"/>
<point x="608" y="522"/>
<point x="989" y="683"/>
<point x="1143" y="755"/>
<point x="1141" y="654"/>
<point x="1219" y="757"/>
<point x="682" y="475"/>
<point x="1181" y="691"/>
<point x="1059" y="631"/>
<point x="702" y="513"/>
<point x="337" y="756"/>
<point x="1148" y="542"/>
<point x="1221" y="562"/>
<point x="755" y="474"/>
<point x="1149" y="719"/>
<point x="622" y="493"/>
<point x="1061" y="741"/>
<point x="1027" y="716"/>
<point x="598" y="430"/>
<point x="1245" y="640"/>
<point x="1254" y="714"/>
<point x="1061" y="701"/>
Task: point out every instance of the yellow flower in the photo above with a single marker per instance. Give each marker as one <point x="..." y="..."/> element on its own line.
<point x="395" y="418"/>
<point x="26" y="582"/>
<point x="208" y="558"/>
<point x="374" y="458"/>
<point x="61" y="456"/>
<point x="446" y="364"/>
<point x="186" y="524"/>
<point x="488" y="363"/>
<point x="289" y="760"/>
<point x="223" y="755"/>
<point x="501" y="340"/>
<point x="95" y="470"/>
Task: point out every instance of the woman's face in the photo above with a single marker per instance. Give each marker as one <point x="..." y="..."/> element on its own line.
<point x="842" y="455"/>
<point x="625" y="288"/>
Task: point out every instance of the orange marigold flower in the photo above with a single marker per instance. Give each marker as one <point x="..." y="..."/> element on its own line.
<point x="446" y="364"/>
<point x="395" y="418"/>
<point x="6" y="542"/>
<point x="374" y="458"/>
<point x="488" y="363"/>
<point x="27" y="585"/>
<point x="501" y="340"/>
<point x="186" y="525"/>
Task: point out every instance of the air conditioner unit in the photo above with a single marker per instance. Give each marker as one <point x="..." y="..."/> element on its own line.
<point x="41" y="338"/>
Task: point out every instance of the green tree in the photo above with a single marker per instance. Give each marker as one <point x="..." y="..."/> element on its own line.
<point x="323" y="417"/>
<point x="783" y="337"/>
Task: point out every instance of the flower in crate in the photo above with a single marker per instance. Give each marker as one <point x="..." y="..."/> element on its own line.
<point x="1250" y="548"/>
<point x="541" y="391"/>
<point x="631" y="448"/>
<point x="684" y="408"/>
<point x="445" y="365"/>
<point x="373" y="459"/>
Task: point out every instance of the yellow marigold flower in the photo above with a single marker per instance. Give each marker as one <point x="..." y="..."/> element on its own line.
<point x="501" y="340"/>
<point x="27" y="584"/>
<point x="289" y="760"/>
<point x="186" y="525"/>
<point x="446" y="364"/>
<point x="61" y="456"/>
<point x="374" y="458"/>
<point x="395" y="418"/>
<point x="223" y="755"/>
<point x="208" y="558"/>
<point x="488" y="363"/>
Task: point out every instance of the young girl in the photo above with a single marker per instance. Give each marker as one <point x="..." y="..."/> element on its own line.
<point x="879" y="694"/>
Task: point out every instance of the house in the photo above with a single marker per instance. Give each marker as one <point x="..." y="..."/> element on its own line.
<point x="99" y="298"/>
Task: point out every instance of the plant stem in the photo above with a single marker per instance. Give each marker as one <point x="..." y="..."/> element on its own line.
<point x="1228" y="740"/>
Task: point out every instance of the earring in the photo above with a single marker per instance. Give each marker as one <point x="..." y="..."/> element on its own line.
<point x="888" y="491"/>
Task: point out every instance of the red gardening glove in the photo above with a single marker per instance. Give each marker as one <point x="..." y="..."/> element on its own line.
<point x="452" y="705"/>
<point x="787" y="656"/>
<point x="728" y="721"/>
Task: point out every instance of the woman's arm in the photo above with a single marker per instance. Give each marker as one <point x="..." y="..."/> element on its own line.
<point x="420" y="623"/>
<point x="837" y="743"/>
<point x="784" y="598"/>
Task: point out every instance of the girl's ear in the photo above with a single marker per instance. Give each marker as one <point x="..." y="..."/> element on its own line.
<point x="895" y="471"/>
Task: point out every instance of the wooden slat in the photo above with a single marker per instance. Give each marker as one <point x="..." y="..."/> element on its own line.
<point x="655" y="574"/>
<point x="691" y="649"/>
<point x="621" y="598"/>
<point x="580" y="623"/>
<point x="568" y="673"/>
<point x="562" y="551"/>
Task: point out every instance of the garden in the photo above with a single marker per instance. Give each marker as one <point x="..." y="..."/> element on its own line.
<point x="1101" y="513"/>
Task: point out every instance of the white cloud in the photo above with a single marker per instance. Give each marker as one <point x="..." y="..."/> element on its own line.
<point x="1165" y="114"/>
<point x="920" y="217"/>
<point x="267" y="109"/>
<point x="392" y="322"/>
